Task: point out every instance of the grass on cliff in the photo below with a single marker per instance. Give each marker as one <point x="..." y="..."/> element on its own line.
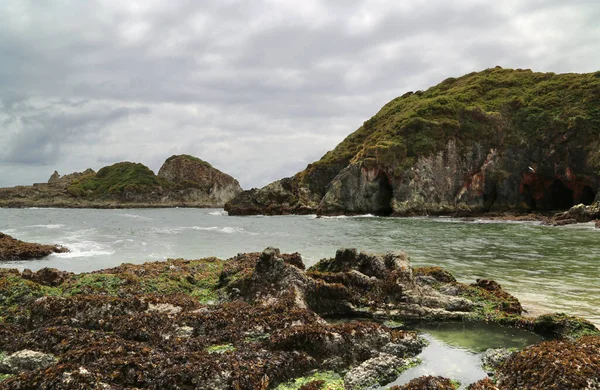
<point x="116" y="179"/>
<point x="502" y="106"/>
<point x="188" y="157"/>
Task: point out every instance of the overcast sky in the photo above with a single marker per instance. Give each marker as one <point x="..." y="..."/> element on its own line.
<point x="257" y="88"/>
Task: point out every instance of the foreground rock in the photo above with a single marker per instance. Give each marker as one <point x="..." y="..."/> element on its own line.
<point x="497" y="140"/>
<point x="256" y="321"/>
<point x="12" y="249"/>
<point x="183" y="181"/>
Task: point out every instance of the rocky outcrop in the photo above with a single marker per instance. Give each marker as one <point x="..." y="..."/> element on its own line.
<point x="255" y="321"/>
<point x="498" y="140"/>
<point x="198" y="181"/>
<point x="185" y="181"/>
<point x="12" y="249"/>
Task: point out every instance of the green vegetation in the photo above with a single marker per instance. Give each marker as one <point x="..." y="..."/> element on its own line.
<point x="501" y="106"/>
<point x="4" y="376"/>
<point x="117" y="179"/>
<point x="188" y="157"/>
<point x="329" y="380"/>
<point x="220" y="348"/>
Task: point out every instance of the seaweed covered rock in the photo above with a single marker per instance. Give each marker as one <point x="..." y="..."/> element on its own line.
<point x="427" y="383"/>
<point x="12" y="249"/>
<point x="563" y="326"/>
<point x="496" y="140"/>
<point x="559" y="364"/>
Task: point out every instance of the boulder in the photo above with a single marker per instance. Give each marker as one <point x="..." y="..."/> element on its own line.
<point x="12" y="249"/>
<point x="25" y="360"/>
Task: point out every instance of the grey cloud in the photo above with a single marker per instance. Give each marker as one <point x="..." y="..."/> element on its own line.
<point x="257" y="88"/>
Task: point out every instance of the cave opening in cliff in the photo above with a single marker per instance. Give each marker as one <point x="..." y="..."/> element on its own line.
<point x="528" y="197"/>
<point x="559" y="197"/>
<point x="385" y="195"/>
<point x="588" y="195"/>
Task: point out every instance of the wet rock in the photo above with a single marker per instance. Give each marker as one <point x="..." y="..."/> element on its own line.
<point x="25" y="360"/>
<point x="563" y="326"/>
<point x="47" y="276"/>
<point x="12" y="249"/>
<point x="379" y="370"/>
<point x="492" y="359"/>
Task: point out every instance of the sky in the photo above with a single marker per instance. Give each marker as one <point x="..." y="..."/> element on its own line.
<point x="257" y="88"/>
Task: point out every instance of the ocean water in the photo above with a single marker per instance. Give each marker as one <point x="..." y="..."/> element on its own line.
<point x="546" y="268"/>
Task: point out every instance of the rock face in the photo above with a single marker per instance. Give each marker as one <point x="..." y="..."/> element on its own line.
<point x="204" y="183"/>
<point x="497" y="140"/>
<point x="184" y="181"/>
<point x="12" y="249"/>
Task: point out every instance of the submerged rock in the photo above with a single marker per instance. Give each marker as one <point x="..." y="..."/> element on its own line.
<point x="492" y="359"/>
<point x="379" y="370"/>
<point x="12" y="249"/>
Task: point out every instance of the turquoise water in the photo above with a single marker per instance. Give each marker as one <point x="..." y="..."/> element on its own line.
<point x="547" y="268"/>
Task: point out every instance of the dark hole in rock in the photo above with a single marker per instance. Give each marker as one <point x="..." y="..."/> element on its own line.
<point x="588" y="195"/>
<point x="528" y="197"/>
<point x="489" y="196"/>
<point x="383" y="201"/>
<point x="558" y="197"/>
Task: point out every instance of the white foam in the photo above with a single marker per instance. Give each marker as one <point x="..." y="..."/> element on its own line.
<point x="226" y="229"/>
<point x="135" y="216"/>
<point x="49" y="226"/>
<point x="218" y="213"/>
<point x="84" y="249"/>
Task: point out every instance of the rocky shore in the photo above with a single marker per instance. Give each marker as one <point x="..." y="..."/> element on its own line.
<point x="497" y="140"/>
<point x="262" y="321"/>
<point x="12" y="249"/>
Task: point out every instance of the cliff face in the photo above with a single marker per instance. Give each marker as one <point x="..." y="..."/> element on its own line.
<point x="183" y="181"/>
<point x="496" y="140"/>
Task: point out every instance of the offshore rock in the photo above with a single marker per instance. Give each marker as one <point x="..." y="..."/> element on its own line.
<point x="202" y="182"/>
<point x="184" y="181"/>
<point x="500" y="140"/>
<point x="12" y="249"/>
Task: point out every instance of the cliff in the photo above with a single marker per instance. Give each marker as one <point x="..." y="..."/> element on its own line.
<point x="496" y="140"/>
<point x="183" y="181"/>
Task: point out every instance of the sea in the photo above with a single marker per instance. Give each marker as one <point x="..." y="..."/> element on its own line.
<point x="549" y="269"/>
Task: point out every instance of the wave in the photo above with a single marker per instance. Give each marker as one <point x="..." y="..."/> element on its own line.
<point x="219" y="213"/>
<point x="84" y="249"/>
<point x="226" y="229"/>
<point x="49" y="226"/>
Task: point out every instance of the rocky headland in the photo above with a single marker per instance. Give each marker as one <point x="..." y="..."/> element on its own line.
<point x="500" y="140"/>
<point x="182" y="181"/>
<point x="12" y="249"/>
<point x="261" y="321"/>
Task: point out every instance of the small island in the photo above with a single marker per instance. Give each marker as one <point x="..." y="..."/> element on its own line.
<point x="182" y="181"/>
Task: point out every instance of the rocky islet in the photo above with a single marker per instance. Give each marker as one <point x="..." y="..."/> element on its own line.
<point x="182" y="181"/>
